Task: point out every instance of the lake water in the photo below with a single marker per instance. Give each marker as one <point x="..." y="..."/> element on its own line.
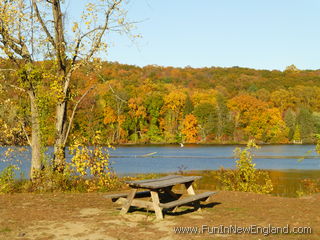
<point x="172" y="158"/>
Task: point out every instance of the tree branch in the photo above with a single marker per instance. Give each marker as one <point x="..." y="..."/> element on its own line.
<point x="16" y="87"/>
<point x="74" y="112"/>
<point x="43" y="25"/>
<point x="76" y="50"/>
<point x="97" y="41"/>
<point x="112" y="90"/>
<point x="25" y="133"/>
<point x="60" y="46"/>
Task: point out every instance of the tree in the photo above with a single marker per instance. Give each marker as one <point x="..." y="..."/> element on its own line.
<point x="188" y="106"/>
<point x="282" y="99"/>
<point x="137" y="114"/>
<point x="172" y="110"/>
<point x="190" y="128"/>
<point x="244" y="108"/>
<point x="297" y="135"/>
<point x="290" y="119"/>
<point x="207" y="118"/>
<point x="268" y="126"/>
<point x="224" y="124"/>
<point x="307" y="126"/>
<point x="153" y="105"/>
<point x="36" y="30"/>
<point x="292" y="68"/>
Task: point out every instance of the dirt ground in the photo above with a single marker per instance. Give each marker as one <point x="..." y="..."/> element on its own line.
<point x="90" y="216"/>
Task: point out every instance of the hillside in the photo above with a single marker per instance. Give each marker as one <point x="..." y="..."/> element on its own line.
<point x="157" y="104"/>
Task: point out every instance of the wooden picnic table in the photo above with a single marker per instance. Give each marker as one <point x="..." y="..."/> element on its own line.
<point x="162" y="196"/>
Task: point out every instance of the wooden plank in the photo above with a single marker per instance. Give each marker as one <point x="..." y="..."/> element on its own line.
<point x="136" y="203"/>
<point x="190" y="191"/>
<point x="130" y="197"/>
<point x="153" y="180"/>
<point x="119" y="195"/>
<point x="156" y="203"/>
<point x="162" y="183"/>
<point x="192" y="198"/>
<point x="189" y="188"/>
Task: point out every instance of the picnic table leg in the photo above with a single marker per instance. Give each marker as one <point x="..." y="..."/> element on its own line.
<point x="156" y="202"/>
<point x="190" y="191"/>
<point x="169" y="191"/>
<point x="127" y="205"/>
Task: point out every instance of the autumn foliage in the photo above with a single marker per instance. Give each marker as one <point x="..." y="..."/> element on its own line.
<point x="168" y="105"/>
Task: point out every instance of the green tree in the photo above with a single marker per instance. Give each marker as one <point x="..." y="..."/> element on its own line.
<point x="290" y="120"/>
<point x="154" y="104"/>
<point x="307" y="127"/>
<point x="207" y="119"/>
<point x="297" y="134"/>
<point x="188" y="107"/>
<point x="224" y="124"/>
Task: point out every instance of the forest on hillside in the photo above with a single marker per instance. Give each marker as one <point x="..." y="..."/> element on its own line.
<point x="153" y="104"/>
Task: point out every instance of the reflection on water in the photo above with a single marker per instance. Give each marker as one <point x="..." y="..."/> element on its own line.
<point x="168" y="158"/>
<point x="127" y="160"/>
<point x="287" y="183"/>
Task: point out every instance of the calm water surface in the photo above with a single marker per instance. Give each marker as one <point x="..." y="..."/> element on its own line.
<point x="171" y="158"/>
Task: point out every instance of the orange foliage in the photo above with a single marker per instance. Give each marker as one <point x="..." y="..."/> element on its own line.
<point x="110" y="115"/>
<point x="137" y="110"/>
<point x="245" y="107"/>
<point x="268" y="126"/>
<point x="190" y="128"/>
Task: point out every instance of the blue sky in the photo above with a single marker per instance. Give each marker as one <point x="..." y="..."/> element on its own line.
<point x="261" y="34"/>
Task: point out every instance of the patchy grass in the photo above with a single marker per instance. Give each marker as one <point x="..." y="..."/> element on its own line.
<point x="5" y="230"/>
<point x="90" y="216"/>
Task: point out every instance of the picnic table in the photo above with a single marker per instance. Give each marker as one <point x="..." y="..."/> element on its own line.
<point x="161" y="194"/>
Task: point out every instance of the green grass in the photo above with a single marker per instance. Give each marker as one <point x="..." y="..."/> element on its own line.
<point x="5" y="230"/>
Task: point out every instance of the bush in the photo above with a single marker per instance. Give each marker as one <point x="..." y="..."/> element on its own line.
<point x="89" y="170"/>
<point x="245" y="177"/>
<point x="7" y="179"/>
<point x="91" y="166"/>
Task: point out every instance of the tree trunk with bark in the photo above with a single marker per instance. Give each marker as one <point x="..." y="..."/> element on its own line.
<point x="61" y="131"/>
<point x="36" y="164"/>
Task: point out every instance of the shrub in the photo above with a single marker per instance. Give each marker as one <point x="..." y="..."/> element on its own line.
<point x="245" y="177"/>
<point x="91" y="165"/>
<point x="7" y="179"/>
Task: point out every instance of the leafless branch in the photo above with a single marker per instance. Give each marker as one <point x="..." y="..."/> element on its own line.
<point x="16" y="87"/>
<point x="25" y="133"/>
<point x="74" y="112"/>
<point x="112" y="90"/>
<point x="43" y="25"/>
<point x="76" y="50"/>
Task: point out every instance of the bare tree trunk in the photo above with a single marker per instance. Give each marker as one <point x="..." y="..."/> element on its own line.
<point x="36" y="164"/>
<point x="61" y="129"/>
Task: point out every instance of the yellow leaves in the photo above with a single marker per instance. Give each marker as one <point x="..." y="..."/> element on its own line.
<point x="137" y="110"/>
<point x="190" y="128"/>
<point x="110" y="116"/>
<point x="174" y="101"/>
<point x="267" y="126"/>
<point x="120" y="21"/>
<point x="75" y="27"/>
<point x="208" y="96"/>
<point x="92" y="161"/>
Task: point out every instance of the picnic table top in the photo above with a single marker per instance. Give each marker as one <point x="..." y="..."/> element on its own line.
<point x="162" y="182"/>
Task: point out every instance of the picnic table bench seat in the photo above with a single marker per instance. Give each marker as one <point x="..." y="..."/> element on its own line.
<point x="190" y="199"/>
<point x="116" y="196"/>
